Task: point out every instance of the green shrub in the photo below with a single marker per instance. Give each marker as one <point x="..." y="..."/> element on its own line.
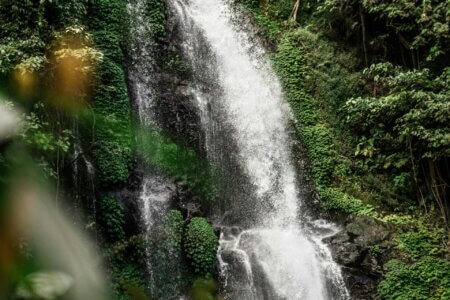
<point x="128" y="282"/>
<point x="426" y="241"/>
<point x="204" y="289"/>
<point x="313" y="133"/>
<point x="334" y="199"/>
<point x="319" y="142"/>
<point x="201" y="245"/>
<point x="398" y="219"/>
<point x="174" y="229"/>
<point x="156" y="14"/>
<point x="111" y="219"/>
<point x="426" y="279"/>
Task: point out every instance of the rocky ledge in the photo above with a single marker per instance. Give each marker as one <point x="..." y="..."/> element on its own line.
<point x="362" y="248"/>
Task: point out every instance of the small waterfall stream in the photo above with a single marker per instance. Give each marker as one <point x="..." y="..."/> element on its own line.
<point x="156" y="190"/>
<point x="266" y="250"/>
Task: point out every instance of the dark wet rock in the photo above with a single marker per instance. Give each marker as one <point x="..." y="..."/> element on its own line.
<point x="367" y="231"/>
<point x="238" y="279"/>
<point x="230" y="232"/>
<point x="348" y="254"/>
<point x="128" y="197"/>
<point x="361" y="248"/>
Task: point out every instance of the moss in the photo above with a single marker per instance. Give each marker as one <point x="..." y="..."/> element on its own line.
<point x="204" y="289"/>
<point x="177" y="65"/>
<point x="113" y="133"/>
<point x="180" y="162"/>
<point x="156" y="14"/>
<point x="336" y="200"/>
<point x="170" y="271"/>
<point x="312" y="131"/>
<point x="201" y="245"/>
<point x="111" y="219"/>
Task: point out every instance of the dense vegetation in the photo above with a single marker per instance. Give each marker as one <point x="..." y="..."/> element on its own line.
<point x="367" y="81"/>
<point x="368" y="84"/>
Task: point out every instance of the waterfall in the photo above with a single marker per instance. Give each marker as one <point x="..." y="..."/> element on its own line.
<point x="83" y="177"/>
<point x="267" y="251"/>
<point x="156" y="190"/>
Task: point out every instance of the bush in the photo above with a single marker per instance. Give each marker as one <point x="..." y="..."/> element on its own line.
<point x="426" y="241"/>
<point x="128" y="282"/>
<point x="201" y="245"/>
<point x="334" y="199"/>
<point x="426" y="279"/>
<point x="111" y="219"/>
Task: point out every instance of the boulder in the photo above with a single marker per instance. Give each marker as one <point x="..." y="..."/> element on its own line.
<point x="361" y="248"/>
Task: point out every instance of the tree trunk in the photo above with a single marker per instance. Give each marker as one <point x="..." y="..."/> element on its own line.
<point x="363" y="31"/>
<point x="294" y="12"/>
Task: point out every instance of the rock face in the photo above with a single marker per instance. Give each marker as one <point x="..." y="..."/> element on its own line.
<point x="361" y="249"/>
<point x="175" y="108"/>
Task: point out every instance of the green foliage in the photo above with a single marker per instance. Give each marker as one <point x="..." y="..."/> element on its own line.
<point x="252" y="5"/>
<point x="400" y="29"/>
<point x="267" y="27"/>
<point x="425" y="276"/>
<point x="128" y="282"/>
<point x="398" y="219"/>
<point x="37" y="133"/>
<point x="111" y="219"/>
<point x="178" y="161"/>
<point x="27" y="27"/>
<point x="156" y="14"/>
<point x="23" y="34"/>
<point x="316" y="81"/>
<point x="403" y="125"/>
<point x="204" y="289"/>
<point x="318" y="140"/>
<point x="375" y="250"/>
<point x="426" y="279"/>
<point x="177" y="65"/>
<point x="175" y="227"/>
<point x="334" y="199"/>
<point x="429" y="29"/>
<point x="170" y="274"/>
<point x="201" y="245"/>
<point x="113" y="136"/>
<point x="290" y="65"/>
<point x="408" y="106"/>
<point x="427" y="240"/>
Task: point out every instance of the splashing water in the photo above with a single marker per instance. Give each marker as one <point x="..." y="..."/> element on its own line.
<point x="241" y="102"/>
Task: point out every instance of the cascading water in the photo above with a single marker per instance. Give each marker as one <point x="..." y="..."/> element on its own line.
<point x="83" y="176"/>
<point x="156" y="190"/>
<point x="266" y="250"/>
